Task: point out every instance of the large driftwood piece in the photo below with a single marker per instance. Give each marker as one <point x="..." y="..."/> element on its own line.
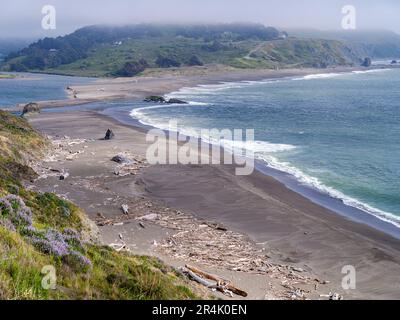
<point x="200" y="280"/>
<point x="222" y="285"/>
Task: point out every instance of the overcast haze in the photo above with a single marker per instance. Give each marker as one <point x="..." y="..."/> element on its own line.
<point x="22" y="18"/>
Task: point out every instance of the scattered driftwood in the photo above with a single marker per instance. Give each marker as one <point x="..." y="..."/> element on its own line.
<point x="220" y="284"/>
<point x="128" y="164"/>
<point x="119" y="246"/>
<point x="216" y="226"/>
<point x="332" y="296"/>
<point x="150" y="217"/>
<point x="199" y="279"/>
<point x="121" y="159"/>
<point x="102" y="221"/>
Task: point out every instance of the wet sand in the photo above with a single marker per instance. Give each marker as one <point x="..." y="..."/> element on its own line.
<point x="159" y="82"/>
<point x="291" y="229"/>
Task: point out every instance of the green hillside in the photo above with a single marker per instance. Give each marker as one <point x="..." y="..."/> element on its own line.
<point x="374" y="44"/>
<point x="127" y="51"/>
<point x="298" y="53"/>
<point x="40" y="229"/>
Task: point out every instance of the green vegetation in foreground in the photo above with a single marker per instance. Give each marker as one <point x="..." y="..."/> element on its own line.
<point x="127" y="51"/>
<point x="38" y="230"/>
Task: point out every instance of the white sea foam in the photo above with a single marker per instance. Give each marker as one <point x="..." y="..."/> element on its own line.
<point x="313" y="182"/>
<point x="263" y="150"/>
<point x="371" y="71"/>
<point x="319" y="76"/>
<point x="212" y="89"/>
<point x="256" y="146"/>
<point x="141" y="115"/>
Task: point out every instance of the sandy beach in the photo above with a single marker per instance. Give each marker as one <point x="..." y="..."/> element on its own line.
<point x="159" y="82"/>
<point x="267" y="239"/>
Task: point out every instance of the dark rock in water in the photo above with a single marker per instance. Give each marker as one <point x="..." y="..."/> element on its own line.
<point x="31" y="107"/>
<point x="367" y="62"/>
<point x="109" y="135"/>
<point x="173" y="100"/>
<point x="121" y="159"/>
<point x="157" y="99"/>
<point x="394" y="62"/>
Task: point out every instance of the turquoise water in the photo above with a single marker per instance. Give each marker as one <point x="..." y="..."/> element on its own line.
<point x="338" y="133"/>
<point x="36" y="87"/>
<point x="335" y="133"/>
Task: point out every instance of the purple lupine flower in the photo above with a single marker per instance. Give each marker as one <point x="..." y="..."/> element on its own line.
<point x="7" y="224"/>
<point x="16" y="200"/>
<point x="14" y="207"/>
<point x="41" y="244"/>
<point x="59" y="249"/>
<point x="51" y="242"/>
<point x="5" y="207"/>
<point x="55" y="235"/>
<point x="29" y="231"/>
<point x="22" y="218"/>
<point x="72" y="237"/>
<point x="57" y="241"/>
<point x="71" y="232"/>
<point x="81" y="260"/>
<point x="56" y="248"/>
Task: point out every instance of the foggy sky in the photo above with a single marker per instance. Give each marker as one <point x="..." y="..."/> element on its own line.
<point x="22" y="18"/>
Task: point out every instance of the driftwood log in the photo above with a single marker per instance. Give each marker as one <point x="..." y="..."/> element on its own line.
<point x="199" y="279"/>
<point x="221" y="284"/>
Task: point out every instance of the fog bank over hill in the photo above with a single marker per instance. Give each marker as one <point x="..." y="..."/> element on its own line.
<point x="130" y="50"/>
<point x="22" y="18"/>
<point x="376" y="44"/>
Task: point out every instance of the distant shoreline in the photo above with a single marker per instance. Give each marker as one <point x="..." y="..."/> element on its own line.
<point x="172" y="79"/>
<point x="317" y="196"/>
<point x="286" y="224"/>
<point x="124" y="89"/>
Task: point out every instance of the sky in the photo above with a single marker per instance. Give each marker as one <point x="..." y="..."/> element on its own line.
<point x="23" y="18"/>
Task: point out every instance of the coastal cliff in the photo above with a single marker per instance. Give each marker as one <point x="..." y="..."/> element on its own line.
<point x="127" y="51"/>
<point x="41" y="231"/>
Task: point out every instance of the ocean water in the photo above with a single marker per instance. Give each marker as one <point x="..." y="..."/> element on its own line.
<point x="36" y="87"/>
<point x="334" y="133"/>
<point x="337" y="133"/>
